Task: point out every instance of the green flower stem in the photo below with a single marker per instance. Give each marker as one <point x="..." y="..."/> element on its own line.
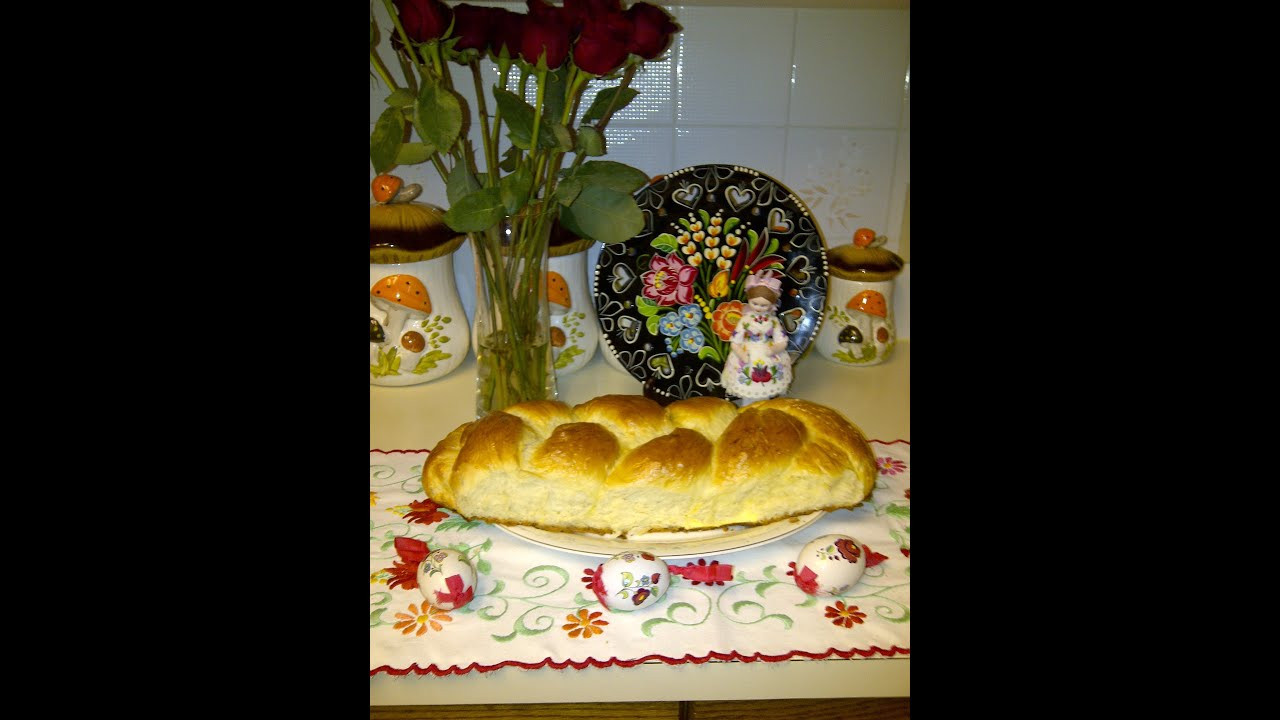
<point x="382" y="71"/>
<point x="576" y="85"/>
<point x="505" y="69"/>
<point x="537" y="122"/>
<point x="404" y="37"/>
<point x="627" y="75"/>
<point x="491" y="162"/>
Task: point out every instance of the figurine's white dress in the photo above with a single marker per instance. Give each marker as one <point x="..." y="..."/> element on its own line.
<point x="764" y="374"/>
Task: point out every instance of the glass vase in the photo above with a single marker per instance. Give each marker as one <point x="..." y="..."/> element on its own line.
<point x="511" y="325"/>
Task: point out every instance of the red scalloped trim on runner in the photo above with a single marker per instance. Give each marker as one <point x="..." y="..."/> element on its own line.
<point x="611" y="662"/>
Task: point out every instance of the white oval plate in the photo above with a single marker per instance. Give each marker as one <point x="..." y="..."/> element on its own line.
<point x="666" y="545"/>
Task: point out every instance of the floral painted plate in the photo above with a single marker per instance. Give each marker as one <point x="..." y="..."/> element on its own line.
<point x="669" y="298"/>
<point x="667" y="545"/>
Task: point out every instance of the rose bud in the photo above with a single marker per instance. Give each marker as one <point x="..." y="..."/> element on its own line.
<point x="651" y="30"/>
<point x="474" y="26"/>
<point x="602" y="47"/>
<point x="545" y="30"/>
<point x="424" y="20"/>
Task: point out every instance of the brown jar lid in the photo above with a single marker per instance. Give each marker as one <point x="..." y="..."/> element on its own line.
<point x="869" y="264"/>
<point x="563" y="242"/>
<point x="401" y="232"/>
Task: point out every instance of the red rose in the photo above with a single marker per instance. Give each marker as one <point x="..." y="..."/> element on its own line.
<point x="475" y="26"/>
<point x="424" y="20"/>
<point x="578" y="12"/>
<point x="602" y="47"/>
<point x="545" y="31"/>
<point x="508" y="33"/>
<point x="651" y="30"/>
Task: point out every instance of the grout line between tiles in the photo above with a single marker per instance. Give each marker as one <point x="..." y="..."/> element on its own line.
<point x="791" y="88"/>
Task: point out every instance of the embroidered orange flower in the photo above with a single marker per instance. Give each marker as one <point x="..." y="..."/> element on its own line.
<point x="428" y="617"/>
<point x="584" y="624"/>
<point x="725" y="318"/>
<point x="373" y="498"/>
<point x="425" y="512"/>
<point x="845" y="615"/>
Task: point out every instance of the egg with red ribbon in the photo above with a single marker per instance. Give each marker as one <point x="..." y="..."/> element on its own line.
<point x="446" y="579"/>
<point x="830" y="565"/>
<point x="631" y="580"/>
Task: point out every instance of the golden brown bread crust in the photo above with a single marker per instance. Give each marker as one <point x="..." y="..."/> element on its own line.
<point x="620" y="464"/>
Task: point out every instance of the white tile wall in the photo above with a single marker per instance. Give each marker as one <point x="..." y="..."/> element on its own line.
<point x="850" y="66"/>
<point x="733" y="65"/>
<point x="817" y="97"/>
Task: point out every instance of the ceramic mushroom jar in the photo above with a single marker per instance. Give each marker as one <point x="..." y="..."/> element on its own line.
<point x="417" y="327"/>
<point x="575" y="332"/>
<point x="857" y="328"/>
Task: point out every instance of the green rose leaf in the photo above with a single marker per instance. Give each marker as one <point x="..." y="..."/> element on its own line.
<point x="605" y="97"/>
<point x="613" y="175"/>
<point x="559" y="139"/>
<point x="602" y="214"/>
<point x="401" y="98"/>
<point x="476" y="211"/>
<point x="647" y="307"/>
<point x="666" y="242"/>
<point x="518" y="115"/>
<point x="384" y="142"/>
<point x="510" y="159"/>
<point x="567" y="191"/>
<point x="414" y="153"/>
<point x="460" y="184"/>
<point x="553" y="95"/>
<point x="590" y="142"/>
<point x="515" y="188"/>
<point x="439" y="116"/>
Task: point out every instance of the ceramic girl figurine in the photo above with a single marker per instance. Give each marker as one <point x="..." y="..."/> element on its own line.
<point x="759" y="366"/>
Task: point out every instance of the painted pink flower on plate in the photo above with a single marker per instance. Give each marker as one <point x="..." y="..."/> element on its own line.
<point x="669" y="281"/>
<point x="890" y="466"/>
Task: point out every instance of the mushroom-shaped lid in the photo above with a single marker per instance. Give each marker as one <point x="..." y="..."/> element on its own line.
<point x="563" y="242"/>
<point x="866" y="264"/>
<point x="558" y="290"/>
<point x="405" y="290"/>
<point x="409" y="232"/>
<point x="870" y="302"/>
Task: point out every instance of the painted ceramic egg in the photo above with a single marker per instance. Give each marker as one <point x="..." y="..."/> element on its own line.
<point x="446" y="579"/>
<point x="830" y="565"/>
<point x="631" y="580"/>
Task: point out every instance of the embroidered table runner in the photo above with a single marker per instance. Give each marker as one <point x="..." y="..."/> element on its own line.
<point x="533" y="606"/>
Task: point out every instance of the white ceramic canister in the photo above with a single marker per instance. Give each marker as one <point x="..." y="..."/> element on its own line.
<point x="417" y="328"/>
<point x="575" y="331"/>
<point x="857" y="328"/>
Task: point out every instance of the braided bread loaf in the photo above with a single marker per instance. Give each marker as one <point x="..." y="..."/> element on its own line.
<point x="620" y="464"/>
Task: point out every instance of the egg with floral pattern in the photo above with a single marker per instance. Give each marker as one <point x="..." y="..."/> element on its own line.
<point x="830" y="565"/>
<point x="446" y="579"/>
<point x="631" y="580"/>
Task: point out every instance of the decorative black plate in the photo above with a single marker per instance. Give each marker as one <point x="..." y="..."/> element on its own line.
<point x="670" y="329"/>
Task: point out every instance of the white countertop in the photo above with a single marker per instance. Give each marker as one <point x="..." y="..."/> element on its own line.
<point x="876" y="398"/>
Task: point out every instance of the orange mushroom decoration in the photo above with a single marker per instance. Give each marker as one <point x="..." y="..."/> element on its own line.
<point x="385" y="187"/>
<point x="401" y="297"/>
<point x="558" y="291"/>
<point x="870" y="302"/>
